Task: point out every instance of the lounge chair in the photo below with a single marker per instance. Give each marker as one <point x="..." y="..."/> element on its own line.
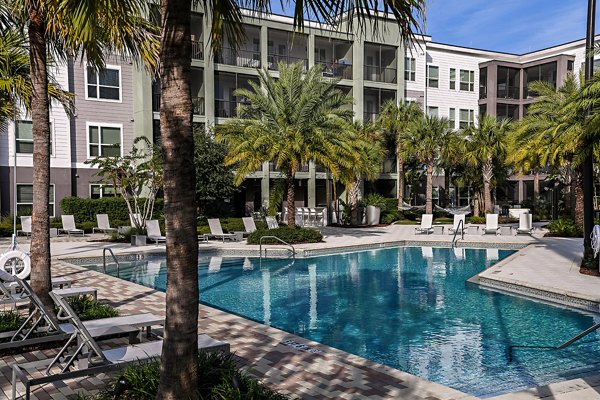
<point x="217" y="231"/>
<point x="249" y="224"/>
<point x="525" y="224"/>
<point x="103" y="224"/>
<point x="271" y="223"/>
<point x="153" y="231"/>
<point x="426" y="224"/>
<point x="86" y="358"/>
<point x="68" y="223"/>
<point x="455" y="228"/>
<point x="25" y="226"/>
<point x="491" y="224"/>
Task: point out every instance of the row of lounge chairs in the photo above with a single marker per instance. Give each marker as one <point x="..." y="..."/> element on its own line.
<point x="491" y="224"/>
<point x="216" y="230"/>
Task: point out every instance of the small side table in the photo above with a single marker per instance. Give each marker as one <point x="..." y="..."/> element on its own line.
<point x="471" y="227"/>
<point x="239" y="235"/>
<point x="438" y="227"/>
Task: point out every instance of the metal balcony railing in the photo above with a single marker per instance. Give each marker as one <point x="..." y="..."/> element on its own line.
<point x="508" y="92"/>
<point x="197" y="104"/>
<point x="274" y="60"/>
<point x="336" y="70"/>
<point x="370" y="116"/>
<point x="197" y="50"/>
<point x="380" y="74"/>
<point x="239" y="58"/>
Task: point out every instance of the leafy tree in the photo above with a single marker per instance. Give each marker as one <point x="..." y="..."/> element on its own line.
<point x="290" y="121"/>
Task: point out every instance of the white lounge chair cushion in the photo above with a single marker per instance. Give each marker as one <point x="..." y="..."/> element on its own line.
<point x="137" y="321"/>
<point x="76" y="291"/>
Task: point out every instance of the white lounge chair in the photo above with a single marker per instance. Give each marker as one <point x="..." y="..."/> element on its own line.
<point x="457" y="221"/>
<point x="25" y="226"/>
<point x="426" y="224"/>
<point x="249" y="224"/>
<point x="271" y="223"/>
<point x="153" y="231"/>
<point x="103" y="224"/>
<point x="491" y="224"/>
<point x="525" y="224"/>
<point x="217" y="231"/>
<point x="68" y="223"/>
<point x="86" y="348"/>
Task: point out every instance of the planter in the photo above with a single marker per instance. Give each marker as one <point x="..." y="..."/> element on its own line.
<point x="138" y="240"/>
<point x="373" y="214"/>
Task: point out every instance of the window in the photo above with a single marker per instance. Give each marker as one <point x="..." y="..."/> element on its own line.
<point x="104" y="85"/>
<point x="467" y="80"/>
<point x="104" y="140"/>
<point x="99" y="191"/>
<point x="452" y="79"/>
<point x="483" y="83"/>
<point x="570" y="65"/>
<point x="466" y="118"/>
<point x="433" y="111"/>
<point x="24" y="137"/>
<point x="452" y="118"/>
<point x="508" y="85"/>
<point x="410" y="69"/>
<point x="25" y="199"/>
<point x="433" y="76"/>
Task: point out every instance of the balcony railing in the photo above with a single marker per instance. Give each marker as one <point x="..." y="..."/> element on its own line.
<point x="275" y="59"/>
<point x="197" y="104"/>
<point x="197" y="50"/>
<point x="227" y="108"/>
<point x="336" y="70"/>
<point x="380" y="74"/>
<point x="483" y="92"/>
<point x="240" y="58"/>
<point x="370" y="116"/>
<point x="508" y="92"/>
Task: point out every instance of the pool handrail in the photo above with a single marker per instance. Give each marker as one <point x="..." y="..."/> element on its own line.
<point x="260" y="242"/>
<point x="113" y="257"/>
<point x="462" y="231"/>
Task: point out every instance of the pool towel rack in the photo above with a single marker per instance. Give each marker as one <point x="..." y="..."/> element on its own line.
<point x="290" y="248"/>
<point x="559" y="347"/>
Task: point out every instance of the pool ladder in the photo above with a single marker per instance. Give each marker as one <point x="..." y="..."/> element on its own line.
<point x="290" y="248"/>
<point x="559" y="347"/>
<point x="113" y="257"/>
<point x="461" y="227"/>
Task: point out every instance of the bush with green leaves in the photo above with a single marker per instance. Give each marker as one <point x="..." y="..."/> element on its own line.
<point x="564" y="227"/>
<point x="219" y="378"/>
<point x="86" y="209"/>
<point x="10" y="321"/>
<point x="296" y="235"/>
<point x="228" y="225"/>
<point x="87" y="308"/>
<point x="476" y="220"/>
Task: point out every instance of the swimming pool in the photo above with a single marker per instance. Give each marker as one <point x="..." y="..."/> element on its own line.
<point x="409" y="308"/>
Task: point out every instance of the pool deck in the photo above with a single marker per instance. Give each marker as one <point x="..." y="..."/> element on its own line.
<point x="547" y="267"/>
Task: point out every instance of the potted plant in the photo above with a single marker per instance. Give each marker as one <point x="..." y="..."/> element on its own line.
<point x="373" y="203"/>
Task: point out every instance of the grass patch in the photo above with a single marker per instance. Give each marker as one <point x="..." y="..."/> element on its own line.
<point x="10" y="321"/>
<point x="296" y="235"/>
<point x="87" y="308"/>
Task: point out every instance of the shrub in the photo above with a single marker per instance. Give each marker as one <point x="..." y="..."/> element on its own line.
<point x="87" y="308"/>
<point x="564" y="227"/>
<point x="476" y="220"/>
<point x="390" y="215"/>
<point x="218" y="378"/>
<point x="115" y="207"/>
<point x="228" y="225"/>
<point x="10" y="321"/>
<point x="297" y="235"/>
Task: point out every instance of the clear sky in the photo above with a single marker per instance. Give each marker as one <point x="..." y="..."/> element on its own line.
<point x="514" y="26"/>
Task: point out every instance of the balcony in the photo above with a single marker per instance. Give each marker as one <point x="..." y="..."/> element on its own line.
<point x="226" y="108"/>
<point x="370" y="116"/>
<point x="388" y="166"/>
<point x="380" y="74"/>
<point x="197" y="50"/>
<point x="508" y="92"/>
<point x="239" y="58"/>
<point x="336" y="70"/>
<point x="197" y="104"/>
<point x="275" y="59"/>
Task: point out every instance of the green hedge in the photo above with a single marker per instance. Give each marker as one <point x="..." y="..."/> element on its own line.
<point x="115" y="207"/>
<point x="297" y="235"/>
<point x="228" y="225"/>
<point x="564" y="227"/>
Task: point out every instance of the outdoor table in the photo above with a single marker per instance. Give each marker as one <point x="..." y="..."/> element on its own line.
<point x="437" y="227"/>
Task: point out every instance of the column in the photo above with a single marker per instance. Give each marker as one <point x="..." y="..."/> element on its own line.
<point x="264" y="46"/>
<point x="400" y="74"/>
<point x="265" y="184"/>
<point x="311" y="50"/>
<point x="209" y="72"/>
<point x="142" y="103"/>
<point x="358" y="56"/>
<point x="312" y="184"/>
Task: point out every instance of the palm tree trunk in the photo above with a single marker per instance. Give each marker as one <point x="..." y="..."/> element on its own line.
<point x="291" y="197"/>
<point x="335" y="201"/>
<point x="429" y="190"/>
<point x="179" y="360"/>
<point x="40" y="116"/>
<point x="487" y="171"/>
<point x="476" y="204"/>
<point x="400" y="181"/>
<point x="536" y="190"/>
<point x="447" y="173"/>
<point x="578" y="195"/>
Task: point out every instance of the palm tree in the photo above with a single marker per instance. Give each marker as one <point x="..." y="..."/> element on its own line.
<point x="69" y="28"/>
<point x="422" y="140"/>
<point x="451" y="146"/>
<point x="486" y="143"/>
<point x="394" y="119"/>
<point x="289" y="121"/>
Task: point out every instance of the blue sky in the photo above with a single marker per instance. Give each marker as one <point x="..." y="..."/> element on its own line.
<point x="514" y="26"/>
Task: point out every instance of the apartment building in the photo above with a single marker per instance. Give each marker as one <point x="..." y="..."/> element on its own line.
<point x="116" y="105"/>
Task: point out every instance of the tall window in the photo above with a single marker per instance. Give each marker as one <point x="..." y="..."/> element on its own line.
<point x="466" y="118"/>
<point x="452" y="118"/>
<point x="467" y="80"/>
<point x="25" y="199"/>
<point x="98" y="191"/>
<point x="433" y="111"/>
<point x="104" y="140"/>
<point x="433" y="76"/>
<point x="24" y="137"/>
<point x="452" y="79"/>
<point x="410" y="69"/>
<point x="104" y="85"/>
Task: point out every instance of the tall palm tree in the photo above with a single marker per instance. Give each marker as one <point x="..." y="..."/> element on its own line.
<point x="486" y="143"/>
<point x="69" y="28"/>
<point x="422" y="140"/>
<point x="394" y="119"/>
<point x="289" y="121"/>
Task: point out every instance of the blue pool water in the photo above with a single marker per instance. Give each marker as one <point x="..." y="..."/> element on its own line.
<point x="408" y="308"/>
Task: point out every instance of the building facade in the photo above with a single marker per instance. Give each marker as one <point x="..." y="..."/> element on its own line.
<point x="116" y="105"/>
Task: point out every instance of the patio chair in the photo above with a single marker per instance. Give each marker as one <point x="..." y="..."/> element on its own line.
<point x="249" y="224"/>
<point x="456" y="223"/>
<point x="217" y="231"/>
<point x="153" y="231"/>
<point x="82" y="356"/>
<point x="525" y="224"/>
<point x="426" y="224"/>
<point x="25" y="226"/>
<point x="68" y="223"/>
<point x="103" y="224"/>
<point x="271" y="223"/>
<point x="491" y="224"/>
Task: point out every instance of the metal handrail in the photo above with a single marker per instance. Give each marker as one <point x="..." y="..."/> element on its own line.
<point x="462" y="232"/>
<point x="559" y="347"/>
<point x="113" y="257"/>
<point x="260" y="242"/>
